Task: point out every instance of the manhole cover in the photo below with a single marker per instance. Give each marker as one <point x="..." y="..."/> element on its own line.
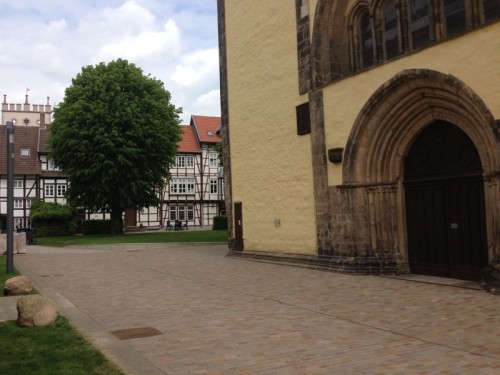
<point x="136" y="333"/>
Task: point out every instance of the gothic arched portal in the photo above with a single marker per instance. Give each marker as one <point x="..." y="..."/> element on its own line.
<point x="373" y="191"/>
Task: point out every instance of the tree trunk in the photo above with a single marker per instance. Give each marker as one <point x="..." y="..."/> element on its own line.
<point x="116" y="220"/>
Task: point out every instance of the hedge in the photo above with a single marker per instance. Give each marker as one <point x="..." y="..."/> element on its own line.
<point x="220" y="223"/>
<point x="51" y="219"/>
<point x="97" y="227"/>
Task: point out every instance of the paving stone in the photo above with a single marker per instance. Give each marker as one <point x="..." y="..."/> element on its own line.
<point x="221" y="315"/>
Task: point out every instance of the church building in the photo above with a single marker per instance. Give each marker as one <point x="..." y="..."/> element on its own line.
<point x="363" y="136"/>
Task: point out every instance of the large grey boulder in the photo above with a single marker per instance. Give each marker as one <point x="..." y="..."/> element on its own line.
<point x="35" y="311"/>
<point x="17" y="285"/>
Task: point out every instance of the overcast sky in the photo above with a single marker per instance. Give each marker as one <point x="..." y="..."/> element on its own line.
<point x="45" y="43"/>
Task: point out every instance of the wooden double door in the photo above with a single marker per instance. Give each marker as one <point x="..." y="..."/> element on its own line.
<point x="445" y="206"/>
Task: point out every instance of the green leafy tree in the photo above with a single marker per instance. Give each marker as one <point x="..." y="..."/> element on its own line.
<point x="115" y="137"/>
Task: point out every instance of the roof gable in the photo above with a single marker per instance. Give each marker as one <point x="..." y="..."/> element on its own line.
<point x="189" y="142"/>
<point x="206" y="128"/>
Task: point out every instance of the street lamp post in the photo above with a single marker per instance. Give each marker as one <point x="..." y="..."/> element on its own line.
<point x="10" y="197"/>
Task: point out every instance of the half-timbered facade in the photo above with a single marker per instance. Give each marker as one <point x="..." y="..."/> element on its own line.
<point x="195" y="192"/>
<point x="193" y="196"/>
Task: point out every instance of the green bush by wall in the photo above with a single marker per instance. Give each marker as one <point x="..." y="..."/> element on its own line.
<point x="51" y="219"/>
<point x="220" y="223"/>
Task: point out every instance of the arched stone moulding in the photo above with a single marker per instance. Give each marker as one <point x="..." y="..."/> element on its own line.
<point x="368" y="210"/>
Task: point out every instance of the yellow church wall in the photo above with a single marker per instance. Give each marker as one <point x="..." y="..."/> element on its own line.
<point x="470" y="58"/>
<point x="271" y="164"/>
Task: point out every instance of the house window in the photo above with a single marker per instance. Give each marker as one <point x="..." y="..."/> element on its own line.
<point x="28" y="203"/>
<point x="51" y="166"/>
<point x="190" y="161"/>
<point x="454" y="13"/>
<point x="366" y="40"/>
<point x="181" y="161"/>
<point x="303" y="119"/>
<point x="19" y="222"/>
<point x="18" y="203"/>
<point x="213" y="186"/>
<point x="213" y="160"/>
<point x="18" y="184"/>
<point x="182" y="186"/>
<point x="181" y="213"/>
<point x="420" y="23"/>
<point x="61" y="190"/>
<point x="173" y="213"/>
<point x="491" y="10"/>
<point x="391" y="29"/>
<point x="25" y="152"/>
<point x="49" y="190"/>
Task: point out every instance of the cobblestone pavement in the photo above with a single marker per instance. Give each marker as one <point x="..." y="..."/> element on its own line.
<point x="221" y="315"/>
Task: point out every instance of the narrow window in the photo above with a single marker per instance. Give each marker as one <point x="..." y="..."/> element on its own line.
<point x="420" y="29"/>
<point x="190" y="161"/>
<point x="181" y="161"/>
<point x="173" y="187"/>
<point x="213" y="186"/>
<point x="181" y="186"/>
<point x="173" y="213"/>
<point x="213" y="160"/>
<point x="182" y="214"/>
<point x="303" y="119"/>
<point x="190" y="213"/>
<point x="49" y="190"/>
<point x="190" y="186"/>
<point x="491" y="10"/>
<point x="391" y="29"/>
<point x="366" y="32"/>
<point x="454" y="13"/>
<point x="61" y="190"/>
<point x="18" y="203"/>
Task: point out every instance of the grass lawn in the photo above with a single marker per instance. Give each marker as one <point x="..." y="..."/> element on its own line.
<point x="48" y="350"/>
<point x="4" y="276"/>
<point x="145" y="237"/>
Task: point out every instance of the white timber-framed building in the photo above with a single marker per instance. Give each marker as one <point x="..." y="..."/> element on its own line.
<point x="194" y="195"/>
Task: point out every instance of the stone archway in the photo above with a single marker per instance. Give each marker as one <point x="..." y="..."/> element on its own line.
<point x="369" y="206"/>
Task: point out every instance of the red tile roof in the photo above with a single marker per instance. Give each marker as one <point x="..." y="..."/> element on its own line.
<point x="206" y="127"/>
<point x="188" y="143"/>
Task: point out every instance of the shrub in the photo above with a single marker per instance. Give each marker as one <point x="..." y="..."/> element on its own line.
<point x="220" y="223"/>
<point x="97" y="227"/>
<point x="51" y="219"/>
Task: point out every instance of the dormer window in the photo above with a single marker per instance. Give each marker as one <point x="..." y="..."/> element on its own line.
<point x="25" y="152"/>
<point x="209" y="133"/>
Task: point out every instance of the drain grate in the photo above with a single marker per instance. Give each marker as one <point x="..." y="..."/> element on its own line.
<point x="136" y="333"/>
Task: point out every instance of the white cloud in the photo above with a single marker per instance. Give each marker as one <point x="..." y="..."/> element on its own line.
<point x="196" y="66"/>
<point x="46" y="43"/>
<point x="142" y="46"/>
